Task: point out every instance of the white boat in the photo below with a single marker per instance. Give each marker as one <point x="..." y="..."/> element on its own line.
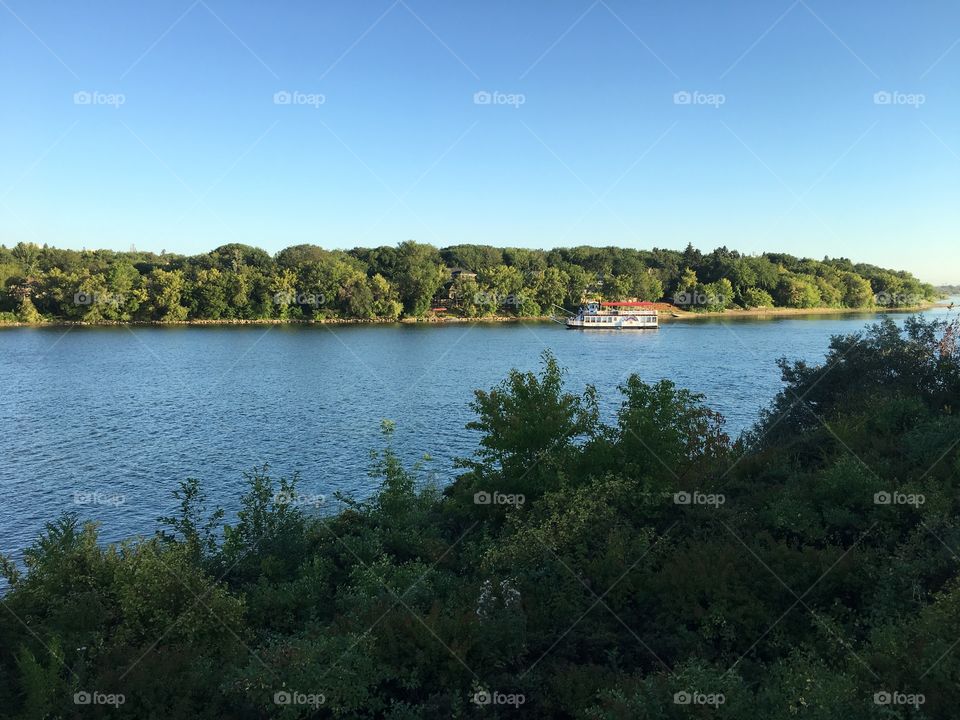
<point x="615" y="316"/>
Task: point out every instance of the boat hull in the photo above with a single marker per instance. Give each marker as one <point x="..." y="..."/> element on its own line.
<point x="622" y="325"/>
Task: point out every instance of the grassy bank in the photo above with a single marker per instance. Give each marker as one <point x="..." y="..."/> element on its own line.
<point x="678" y="314"/>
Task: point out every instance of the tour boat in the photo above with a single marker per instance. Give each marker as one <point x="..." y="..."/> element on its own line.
<point x="615" y="316"/>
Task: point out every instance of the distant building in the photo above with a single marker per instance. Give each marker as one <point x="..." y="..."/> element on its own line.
<point x="447" y="296"/>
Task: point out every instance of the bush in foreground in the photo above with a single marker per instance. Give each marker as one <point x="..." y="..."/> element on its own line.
<point x="646" y="568"/>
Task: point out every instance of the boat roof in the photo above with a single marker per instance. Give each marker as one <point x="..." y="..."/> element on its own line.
<point x="628" y="304"/>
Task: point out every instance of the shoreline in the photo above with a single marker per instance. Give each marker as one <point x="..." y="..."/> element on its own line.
<point x="792" y="312"/>
<point x="664" y="315"/>
<point x="278" y="321"/>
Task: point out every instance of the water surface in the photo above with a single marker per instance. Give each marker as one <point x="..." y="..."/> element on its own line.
<point x="116" y="416"/>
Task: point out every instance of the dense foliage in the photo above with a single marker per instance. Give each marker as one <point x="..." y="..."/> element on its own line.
<point x="643" y="568"/>
<point x="239" y="282"/>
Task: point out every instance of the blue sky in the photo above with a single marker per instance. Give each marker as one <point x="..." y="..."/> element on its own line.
<point x="160" y="125"/>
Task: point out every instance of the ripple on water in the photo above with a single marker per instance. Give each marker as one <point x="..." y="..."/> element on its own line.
<point x="104" y="410"/>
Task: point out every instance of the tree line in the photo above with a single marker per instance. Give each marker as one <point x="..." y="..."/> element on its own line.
<point x="240" y="282"/>
<point x="644" y="568"/>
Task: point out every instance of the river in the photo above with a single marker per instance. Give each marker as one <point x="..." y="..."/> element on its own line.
<point x="105" y="421"/>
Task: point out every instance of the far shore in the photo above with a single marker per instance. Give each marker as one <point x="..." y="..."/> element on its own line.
<point x="792" y="312"/>
<point x="665" y="315"/>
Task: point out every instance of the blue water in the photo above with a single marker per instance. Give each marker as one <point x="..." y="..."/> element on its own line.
<point x="105" y="421"/>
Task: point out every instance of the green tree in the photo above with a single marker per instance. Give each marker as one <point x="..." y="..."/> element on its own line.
<point x="646" y="286"/>
<point x="756" y="298"/>
<point x="578" y="285"/>
<point x="830" y="294"/>
<point x="420" y="274"/>
<point x="385" y="301"/>
<point x="551" y="288"/>
<point x="797" y="292"/>
<point x="857" y="291"/>
<point x="688" y="289"/>
<point x="506" y="286"/>
<point x="27" y="255"/>
<point x="528" y="426"/>
<point x="209" y="294"/>
<point x="165" y="293"/>
<point x="719" y="295"/>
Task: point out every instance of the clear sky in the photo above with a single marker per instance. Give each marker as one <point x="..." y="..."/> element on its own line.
<point x="159" y="124"/>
